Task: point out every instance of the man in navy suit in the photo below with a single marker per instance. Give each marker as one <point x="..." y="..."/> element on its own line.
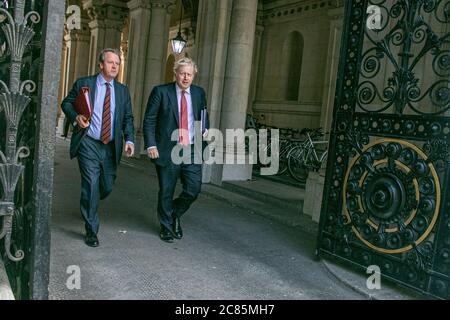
<point x="98" y="142"/>
<point x="171" y="107"/>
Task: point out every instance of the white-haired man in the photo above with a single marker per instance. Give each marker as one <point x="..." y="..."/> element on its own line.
<point x="171" y="107"/>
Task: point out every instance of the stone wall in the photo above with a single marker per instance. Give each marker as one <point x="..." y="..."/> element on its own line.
<point x="274" y="104"/>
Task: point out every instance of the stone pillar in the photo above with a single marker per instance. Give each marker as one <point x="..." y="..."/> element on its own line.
<point x="334" y="46"/>
<point x="212" y="33"/>
<point x="155" y="64"/>
<point x="147" y="51"/>
<point x="44" y="150"/>
<point x="213" y="27"/>
<point x="62" y="89"/>
<point x="256" y="59"/>
<point x="106" y="26"/>
<point x="313" y="195"/>
<point x="75" y="50"/>
<point x="237" y="83"/>
<point x="77" y="44"/>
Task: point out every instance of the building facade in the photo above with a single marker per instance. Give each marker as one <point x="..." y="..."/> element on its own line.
<point x="276" y="60"/>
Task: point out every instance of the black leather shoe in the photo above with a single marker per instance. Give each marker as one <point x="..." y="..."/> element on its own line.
<point x="165" y="234"/>
<point x="178" y="232"/>
<point x="91" y="239"/>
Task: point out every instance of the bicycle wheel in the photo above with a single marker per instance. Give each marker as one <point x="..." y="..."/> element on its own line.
<point x="282" y="166"/>
<point x="296" y="164"/>
<point x="282" y="161"/>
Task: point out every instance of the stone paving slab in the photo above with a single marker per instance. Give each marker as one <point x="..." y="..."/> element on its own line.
<point x="227" y="253"/>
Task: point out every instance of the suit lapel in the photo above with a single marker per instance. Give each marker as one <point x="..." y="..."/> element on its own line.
<point x="93" y="87"/>
<point x="174" y="102"/>
<point x="195" y="103"/>
<point x="117" y="102"/>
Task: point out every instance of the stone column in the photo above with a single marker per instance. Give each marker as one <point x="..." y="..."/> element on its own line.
<point x="334" y="45"/>
<point x="155" y="64"/>
<point x="237" y="82"/>
<point x="106" y="25"/>
<point x="77" y="43"/>
<point x="76" y="49"/>
<point x="256" y="59"/>
<point x="50" y="61"/>
<point x="213" y="26"/>
<point x="147" y="50"/>
<point x="62" y="89"/>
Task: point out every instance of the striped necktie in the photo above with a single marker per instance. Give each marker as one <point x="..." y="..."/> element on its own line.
<point x="105" y="135"/>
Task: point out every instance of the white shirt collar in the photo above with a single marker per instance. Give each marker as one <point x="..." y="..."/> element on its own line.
<point x="102" y="81"/>
<point x="188" y="90"/>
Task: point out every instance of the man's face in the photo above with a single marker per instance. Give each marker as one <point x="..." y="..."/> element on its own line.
<point x="185" y="76"/>
<point x="110" y="67"/>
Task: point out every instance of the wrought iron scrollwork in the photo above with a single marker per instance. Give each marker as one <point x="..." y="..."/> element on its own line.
<point x="411" y="44"/>
<point x="13" y="102"/>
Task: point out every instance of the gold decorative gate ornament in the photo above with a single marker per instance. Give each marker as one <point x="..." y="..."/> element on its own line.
<point x="391" y="196"/>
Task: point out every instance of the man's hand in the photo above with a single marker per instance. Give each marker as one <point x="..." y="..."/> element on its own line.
<point x="153" y="153"/>
<point x="129" y="149"/>
<point x="82" y="121"/>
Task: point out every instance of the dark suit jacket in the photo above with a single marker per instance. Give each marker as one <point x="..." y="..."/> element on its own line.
<point x="123" y="116"/>
<point x="161" y="118"/>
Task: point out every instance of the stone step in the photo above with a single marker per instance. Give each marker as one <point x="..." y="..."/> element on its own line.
<point x="284" y="178"/>
<point x="266" y="191"/>
<point x="269" y="210"/>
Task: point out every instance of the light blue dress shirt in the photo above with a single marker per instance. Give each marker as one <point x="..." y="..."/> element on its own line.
<point x="96" y="119"/>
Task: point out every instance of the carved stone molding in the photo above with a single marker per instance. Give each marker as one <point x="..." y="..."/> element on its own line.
<point x="79" y="36"/>
<point x="151" y="4"/>
<point x="336" y="13"/>
<point x="138" y="4"/>
<point x="293" y="11"/>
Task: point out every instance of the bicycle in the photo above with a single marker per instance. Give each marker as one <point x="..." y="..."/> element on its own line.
<point x="310" y="155"/>
<point x="285" y="146"/>
<point x="286" y="142"/>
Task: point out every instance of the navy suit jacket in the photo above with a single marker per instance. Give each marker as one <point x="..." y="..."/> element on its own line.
<point x="161" y="118"/>
<point x="123" y="117"/>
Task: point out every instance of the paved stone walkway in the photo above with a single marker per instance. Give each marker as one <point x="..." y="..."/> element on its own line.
<point x="226" y="253"/>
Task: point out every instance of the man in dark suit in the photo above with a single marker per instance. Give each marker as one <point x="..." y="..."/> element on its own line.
<point x="172" y="107"/>
<point x="97" y="142"/>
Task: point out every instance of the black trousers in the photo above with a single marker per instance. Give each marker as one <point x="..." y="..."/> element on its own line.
<point x="191" y="180"/>
<point x="98" y="172"/>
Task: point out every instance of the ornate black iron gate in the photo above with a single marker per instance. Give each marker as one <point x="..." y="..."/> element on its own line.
<point x="386" y="200"/>
<point x="30" y="46"/>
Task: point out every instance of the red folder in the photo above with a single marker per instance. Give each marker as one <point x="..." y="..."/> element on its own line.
<point x="83" y="103"/>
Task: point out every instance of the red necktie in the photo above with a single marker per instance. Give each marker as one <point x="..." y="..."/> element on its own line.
<point x="184" y="129"/>
<point x="105" y="134"/>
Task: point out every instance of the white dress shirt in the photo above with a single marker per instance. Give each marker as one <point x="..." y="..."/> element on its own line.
<point x="191" y="119"/>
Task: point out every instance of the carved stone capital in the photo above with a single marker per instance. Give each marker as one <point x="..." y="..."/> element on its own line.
<point x="79" y="36"/>
<point x="138" y="4"/>
<point x="162" y="4"/>
<point x="100" y="10"/>
<point x="151" y="4"/>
